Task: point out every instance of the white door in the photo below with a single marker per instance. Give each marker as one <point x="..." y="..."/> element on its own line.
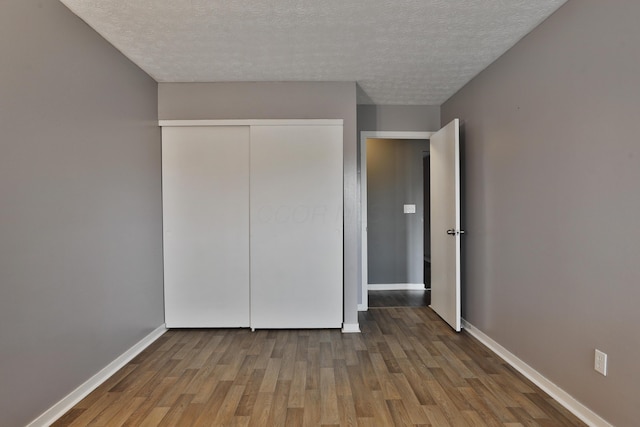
<point x="296" y="226"/>
<point x="205" y="191"/>
<point x="444" y="153"/>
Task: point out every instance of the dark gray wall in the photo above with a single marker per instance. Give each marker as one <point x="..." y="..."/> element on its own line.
<point x="395" y="239"/>
<point x="552" y="172"/>
<point x="80" y="206"/>
<point x="290" y="100"/>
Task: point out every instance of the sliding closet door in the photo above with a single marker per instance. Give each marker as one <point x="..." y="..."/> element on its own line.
<point x="205" y="186"/>
<point x="296" y="226"/>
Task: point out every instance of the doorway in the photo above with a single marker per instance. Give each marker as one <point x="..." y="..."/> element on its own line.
<point x="395" y="290"/>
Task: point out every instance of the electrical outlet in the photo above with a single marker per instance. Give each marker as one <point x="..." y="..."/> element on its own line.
<point x="601" y="362"/>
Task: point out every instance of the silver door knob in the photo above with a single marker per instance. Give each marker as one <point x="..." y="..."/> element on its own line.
<point x="453" y="232"/>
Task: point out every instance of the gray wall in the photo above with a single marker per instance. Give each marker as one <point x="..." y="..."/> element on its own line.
<point x="552" y="200"/>
<point x="410" y="118"/>
<point x="291" y="100"/>
<point x="80" y="206"/>
<point x="395" y="239"/>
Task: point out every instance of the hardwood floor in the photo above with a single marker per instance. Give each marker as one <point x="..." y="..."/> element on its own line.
<point x="409" y="298"/>
<point x="406" y="368"/>
<point x="405" y="298"/>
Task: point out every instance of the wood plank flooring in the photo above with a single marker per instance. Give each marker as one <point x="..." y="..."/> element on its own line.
<point x="405" y="298"/>
<point x="406" y="368"/>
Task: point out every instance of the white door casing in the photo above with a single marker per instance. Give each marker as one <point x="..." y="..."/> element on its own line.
<point x="364" y="255"/>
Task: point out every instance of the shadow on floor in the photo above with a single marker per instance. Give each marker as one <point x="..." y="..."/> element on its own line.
<point x="412" y="298"/>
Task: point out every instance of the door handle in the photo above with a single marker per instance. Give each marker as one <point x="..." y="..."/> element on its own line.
<point x="453" y="232"/>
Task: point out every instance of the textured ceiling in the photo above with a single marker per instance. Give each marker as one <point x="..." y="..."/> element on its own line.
<point x="398" y="51"/>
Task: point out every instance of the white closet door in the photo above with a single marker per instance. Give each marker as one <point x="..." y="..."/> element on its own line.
<point x="205" y="186"/>
<point x="296" y="226"/>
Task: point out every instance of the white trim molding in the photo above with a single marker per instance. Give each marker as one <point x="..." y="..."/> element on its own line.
<point x="59" y="409"/>
<point x="252" y="122"/>
<point x="396" y="287"/>
<point x="350" y="328"/>
<point x="558" y="394"/>
<point x="362" y="143"/>
<point x="395" y="135"/>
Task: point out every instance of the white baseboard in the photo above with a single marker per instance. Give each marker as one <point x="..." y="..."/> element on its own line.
<point x="561" y="396"/>
<point x="396" y="287"/>
<point x="68" y="402"/>
<point x="363" y="307"/>
<point x="350" y="328"/>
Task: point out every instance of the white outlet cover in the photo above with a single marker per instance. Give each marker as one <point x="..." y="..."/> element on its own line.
<point x="600" y="364"/>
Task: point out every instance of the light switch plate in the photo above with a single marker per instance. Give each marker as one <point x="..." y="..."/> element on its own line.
<point x="409" y="208"/>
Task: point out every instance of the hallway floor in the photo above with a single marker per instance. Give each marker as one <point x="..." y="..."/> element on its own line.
<point x="411" y="298"/>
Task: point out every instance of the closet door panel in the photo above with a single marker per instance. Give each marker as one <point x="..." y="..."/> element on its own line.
<point x="205" y="180"/>
<point x="296" y="226"/>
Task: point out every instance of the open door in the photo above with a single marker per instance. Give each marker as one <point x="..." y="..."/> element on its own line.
<point x="444" y="156"/>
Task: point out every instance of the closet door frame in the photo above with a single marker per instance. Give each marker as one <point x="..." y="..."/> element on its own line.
<point x="336" y="323"/>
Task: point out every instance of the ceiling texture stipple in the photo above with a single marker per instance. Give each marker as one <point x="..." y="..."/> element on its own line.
<point x="398" y="51"/>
